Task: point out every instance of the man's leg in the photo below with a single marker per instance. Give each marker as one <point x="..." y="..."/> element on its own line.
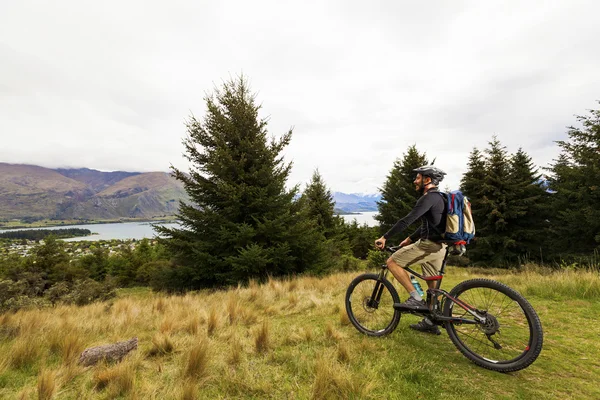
<point x="401" y="275"/>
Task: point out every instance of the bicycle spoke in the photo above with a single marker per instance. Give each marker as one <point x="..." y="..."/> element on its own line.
<point x="512" y="328"/>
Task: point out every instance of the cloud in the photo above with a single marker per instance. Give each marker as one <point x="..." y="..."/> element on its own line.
<point x="109" y="85"/>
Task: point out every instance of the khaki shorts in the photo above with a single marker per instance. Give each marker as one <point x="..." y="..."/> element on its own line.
<point x="428" y="254"/>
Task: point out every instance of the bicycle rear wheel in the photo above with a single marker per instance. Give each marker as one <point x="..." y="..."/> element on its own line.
<point x="370" y="305"/>
<point x="512" y="337"/>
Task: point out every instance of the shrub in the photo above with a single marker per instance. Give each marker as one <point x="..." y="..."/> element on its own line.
<point x="87" y="291"/>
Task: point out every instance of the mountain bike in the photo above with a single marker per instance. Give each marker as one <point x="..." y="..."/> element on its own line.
<point x="490" y="323"/>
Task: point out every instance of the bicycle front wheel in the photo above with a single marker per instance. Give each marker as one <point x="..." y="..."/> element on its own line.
<point x="511" y="337"/>
<point x="370" y="305"/>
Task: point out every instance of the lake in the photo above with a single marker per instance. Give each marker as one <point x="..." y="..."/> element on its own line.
<point x="141" y="230"/>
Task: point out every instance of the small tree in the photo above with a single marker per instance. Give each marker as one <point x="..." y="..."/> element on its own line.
<point x="319" y="204"/>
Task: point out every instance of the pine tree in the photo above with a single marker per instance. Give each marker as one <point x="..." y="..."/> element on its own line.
<point x="241" y="221"/>
<point x="398" y="193"/>
<point x="528" y="206"/>
<point x="471" y="185"/>
<point x="576" y="181"/>
<point x="493" y="239"/>
<point x="318" y="200"/>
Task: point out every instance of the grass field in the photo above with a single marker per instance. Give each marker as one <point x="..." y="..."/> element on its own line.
<point x="291" y="339"/>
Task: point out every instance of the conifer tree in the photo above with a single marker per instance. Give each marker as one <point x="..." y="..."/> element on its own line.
<point x="493" y="239"/>
<point x="398" y="192"/>
<point x="576" y="181"/>
<point x="241" y="221"/>
<point x="319" y="204"/>
<point x="471" y="185"/>
<point x="528" y="206"/>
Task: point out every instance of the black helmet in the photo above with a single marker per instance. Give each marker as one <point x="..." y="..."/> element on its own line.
<point x="436" y="174"/>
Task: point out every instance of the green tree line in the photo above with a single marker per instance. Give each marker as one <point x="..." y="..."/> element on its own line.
<point x="38" y="234"/>
<point x="522" y="213"/>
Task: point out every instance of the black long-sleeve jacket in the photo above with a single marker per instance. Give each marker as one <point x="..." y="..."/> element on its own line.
<point x="431" y="209"/>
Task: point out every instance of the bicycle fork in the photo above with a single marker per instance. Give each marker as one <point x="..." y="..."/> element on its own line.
<point x="373" y="301"/>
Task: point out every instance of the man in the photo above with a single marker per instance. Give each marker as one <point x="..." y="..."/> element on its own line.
<point x="423" y="247"/>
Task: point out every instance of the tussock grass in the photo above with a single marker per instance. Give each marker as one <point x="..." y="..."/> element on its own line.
<point x="46" y="385"/>
<point x="262" y="341"/>
<point x="117" y="380"/>
<point x="212" y="323"/>
<point x="331" y="333"/>
<point x="189" y="391"/>
<point x="236" y="352"/>
<point x="24" y="353"/>
<point x="197" y="363"/>
<point x="291" y="338"/>
<point x="234" y="308"/>
<point x="334" y="381"/>
<point x="161" y="345"/>
<point x="192" y="324"/>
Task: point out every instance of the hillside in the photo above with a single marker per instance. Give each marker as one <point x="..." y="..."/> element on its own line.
<point x="31" y="192"/>
<point x="95" y="180"/>
<point x="289" y="339"/>
<point x="145" y="195"/>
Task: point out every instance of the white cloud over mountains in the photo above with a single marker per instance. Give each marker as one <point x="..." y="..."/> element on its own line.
<point x="108" y="85"/>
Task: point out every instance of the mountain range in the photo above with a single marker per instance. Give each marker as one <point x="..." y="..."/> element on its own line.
<point x="32" y="192"/>
<point x="355" y="202"/>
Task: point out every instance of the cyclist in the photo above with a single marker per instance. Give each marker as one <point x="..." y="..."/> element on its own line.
<point x="424" y="246"/>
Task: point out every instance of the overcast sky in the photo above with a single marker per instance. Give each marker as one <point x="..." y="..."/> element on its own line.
<point x="109" y="84"/>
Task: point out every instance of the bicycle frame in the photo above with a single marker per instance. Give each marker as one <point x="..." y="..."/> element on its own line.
<point x="433" y="295"/>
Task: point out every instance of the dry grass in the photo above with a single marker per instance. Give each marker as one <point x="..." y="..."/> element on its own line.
<point x="236" y="351"/>
<point x="234" y="309"/>
<point x="212" y="323"/>
<point x="333" y="381"/>
<point x="23" y="353"/>
<point x="189" y="391"/>
<point x="46" y="385"/>
<point x="288" y="338"/>
<point x="117" y="380"/>
<point x="262" y="340"/>
<point x="192" y="325"/>
<point x="198" y="361"/>
<point x="161" y="345"/>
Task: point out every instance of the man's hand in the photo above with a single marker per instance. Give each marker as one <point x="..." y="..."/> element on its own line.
<point x="406" y="242"/>
<point x="380" y="243"/>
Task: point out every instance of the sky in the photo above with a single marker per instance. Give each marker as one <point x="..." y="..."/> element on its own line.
<point x="109" y="84"/>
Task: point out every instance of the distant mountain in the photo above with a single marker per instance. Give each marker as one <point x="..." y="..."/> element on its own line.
<point x="356" y="202"/>
<point x="95" y="180"/>
<point x="28" y="191"/>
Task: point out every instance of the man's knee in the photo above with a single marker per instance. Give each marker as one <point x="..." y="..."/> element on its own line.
<point x="391" y="263"/>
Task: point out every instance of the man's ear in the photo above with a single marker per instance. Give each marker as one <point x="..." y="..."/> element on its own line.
<point x="426" y="180"/>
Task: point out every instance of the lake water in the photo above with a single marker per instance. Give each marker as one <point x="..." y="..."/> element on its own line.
<point x="141" y="230"/>
<point x="363" y="218"/>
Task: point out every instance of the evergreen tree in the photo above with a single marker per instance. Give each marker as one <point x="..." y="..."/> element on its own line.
<point x="527" y="207"/>
<point x="318" y="200"/>
<point x="241" y="221"/>
<point x="471" y="185"/>
<point x="576" y="181"/>
<point x="493" y="239"/>
<point x="398" y="193"/>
